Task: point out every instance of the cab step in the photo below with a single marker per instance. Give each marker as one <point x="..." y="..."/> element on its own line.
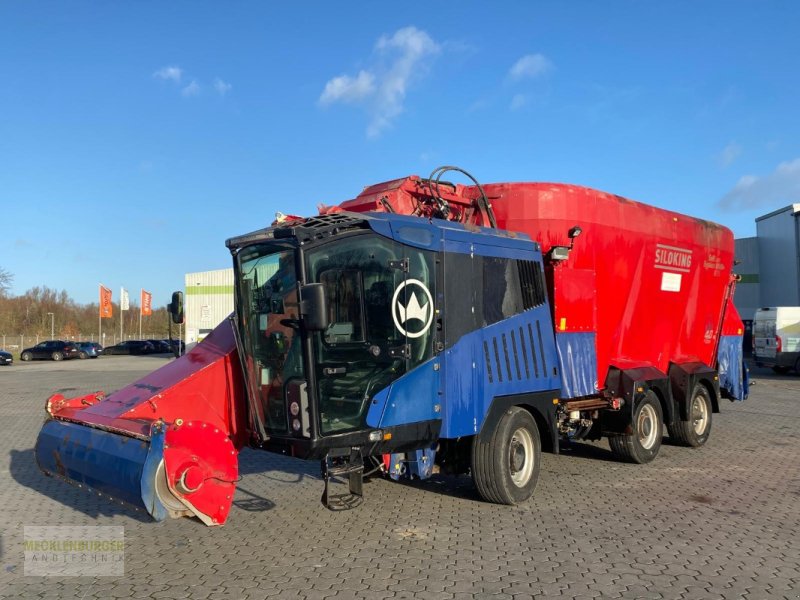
<point x="341" y="467"/>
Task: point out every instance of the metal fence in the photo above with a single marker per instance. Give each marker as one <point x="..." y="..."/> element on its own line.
<point x="16" y="343"/>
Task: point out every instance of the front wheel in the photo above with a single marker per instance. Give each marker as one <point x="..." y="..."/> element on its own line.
<point x="57" y="356"/>
<point x="780" y="370"/>
<point x="26" y="356"/>
<point x="506" y="460"/>
<point x="643" y="443"/>
<point x="695" y="431"/>
<point x="83" y="355"/>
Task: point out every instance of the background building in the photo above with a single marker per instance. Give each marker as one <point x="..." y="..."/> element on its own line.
<point x="769" y="265"/>
<point x="746" y="298"/>
<point x="207" y="302"/>
<point x="778" y="236"/>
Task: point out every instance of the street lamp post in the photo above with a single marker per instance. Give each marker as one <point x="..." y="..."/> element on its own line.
<point x="52" y="327"/>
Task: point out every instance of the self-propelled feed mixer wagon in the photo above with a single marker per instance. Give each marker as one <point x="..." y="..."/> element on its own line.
<point x="422" y="326"/>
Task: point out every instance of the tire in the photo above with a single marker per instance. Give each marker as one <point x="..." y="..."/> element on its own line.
<point x="26" y="356"/>
<point x="797" y="366"/>
<point x="642" y="445"/>
<point x="694" y="432"/>
<point x="506" y="460"/>
<point x="780" y="370"/>
<point x="57" y="356"/>
<point x="83" y="355"/>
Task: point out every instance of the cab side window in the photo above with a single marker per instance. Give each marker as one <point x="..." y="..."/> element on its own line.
<point x="502" y="294"/>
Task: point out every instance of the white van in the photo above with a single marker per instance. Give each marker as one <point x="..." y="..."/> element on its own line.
<point x="776" y="338"/>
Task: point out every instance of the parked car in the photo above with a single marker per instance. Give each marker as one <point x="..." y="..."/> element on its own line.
<point x="50" y="350"/>
<point x="173" y="345"/>
<point x="89" y="349"/>
<point x="161" y="346"/>
<point x="131" y="347"/>
<point x="5" y="358"/>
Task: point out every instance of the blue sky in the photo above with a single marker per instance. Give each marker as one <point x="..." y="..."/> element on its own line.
<point x="136" y="137"/>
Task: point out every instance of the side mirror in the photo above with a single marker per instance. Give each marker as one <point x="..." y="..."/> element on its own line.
<point x="314" y="307"/>
<point x="176" y="307"/>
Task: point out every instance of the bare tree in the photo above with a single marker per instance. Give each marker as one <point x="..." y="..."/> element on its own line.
<point x="5" y="281"/>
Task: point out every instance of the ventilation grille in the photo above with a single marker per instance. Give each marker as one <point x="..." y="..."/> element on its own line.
<point x="531" y="283"/>
<point x="516" y="354"/>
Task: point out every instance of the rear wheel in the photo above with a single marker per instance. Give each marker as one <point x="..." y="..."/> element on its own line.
<point x="26" y="356"/>
<point x="797" y="366"/>
<point x="780" y="370"/>
<point x="57" y="356"/>
<point x="506" y="460"/>
<point x="644" y="441"/>
<point x="83" y="355"/>
<point x="695" y="431"/>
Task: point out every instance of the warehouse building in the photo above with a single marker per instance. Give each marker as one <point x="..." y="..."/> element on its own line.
<point x="769" y="264"/>
<point x="208" y="301"/>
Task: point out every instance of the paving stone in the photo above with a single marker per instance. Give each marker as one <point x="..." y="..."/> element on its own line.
<point x="715" y="522"/>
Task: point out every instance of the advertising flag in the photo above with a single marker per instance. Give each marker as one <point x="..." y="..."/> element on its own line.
<point x="147" y="303"/>
<point x="124" y="303"/>
<point x="105" y="303"/>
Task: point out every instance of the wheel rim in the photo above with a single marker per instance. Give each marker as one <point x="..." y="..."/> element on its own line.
<point x="699" y="415"/>
<point x="646" y="426"/>
<point x="521" y="457"/>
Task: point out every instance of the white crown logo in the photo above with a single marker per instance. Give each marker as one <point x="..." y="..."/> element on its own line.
<point x="413" y="310"/>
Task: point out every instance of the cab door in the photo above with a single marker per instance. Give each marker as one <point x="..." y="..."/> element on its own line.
<point x="415" y="314"/>
<point x="414" y="396"/>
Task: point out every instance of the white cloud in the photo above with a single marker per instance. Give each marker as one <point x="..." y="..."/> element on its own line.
<point x="530" y="66"/>
<point x="780" y="187"/>
<point x="729" y="154"/>
<point x="382" y="89"/>
<point x="222" y="87"/>
<point x="192" y="89"/>
<point x="169" y="74"/>
<point x="518" y="101"/>
<point x="348" y="89"/>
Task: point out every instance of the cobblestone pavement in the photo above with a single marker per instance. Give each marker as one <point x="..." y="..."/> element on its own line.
<point x="719" y="522"/>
